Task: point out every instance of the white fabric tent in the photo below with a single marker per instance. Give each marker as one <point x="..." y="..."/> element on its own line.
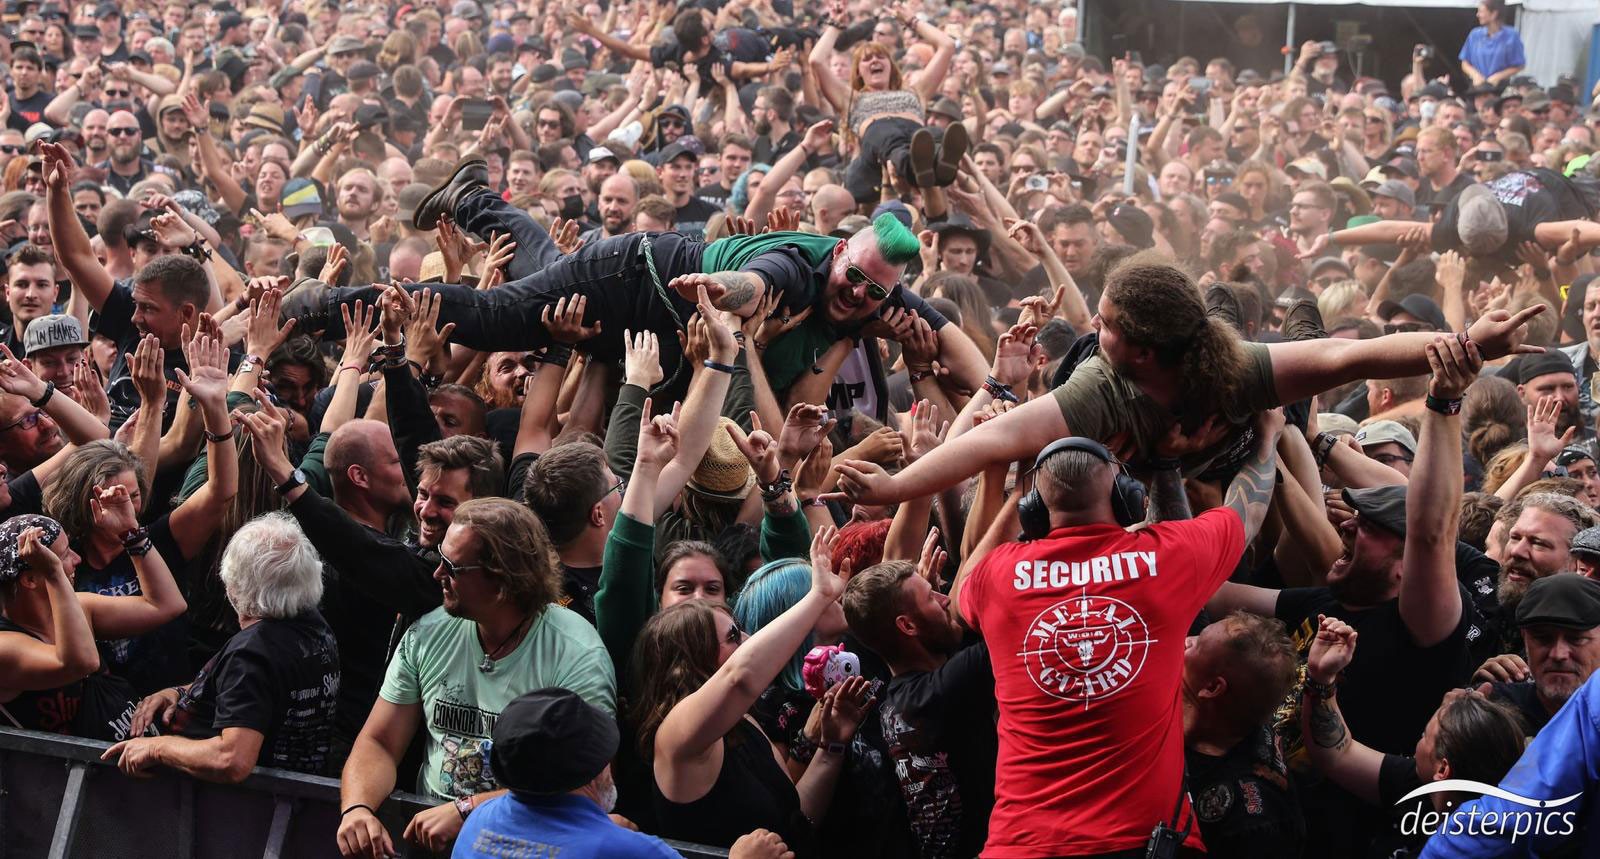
<point x="1555" y="33"/>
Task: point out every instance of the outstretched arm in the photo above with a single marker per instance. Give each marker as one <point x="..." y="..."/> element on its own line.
<point x="1309" y="367"/>
<point x="1250" y="493"/>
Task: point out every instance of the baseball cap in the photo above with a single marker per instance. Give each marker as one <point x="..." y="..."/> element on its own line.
<point x="1328" y="262"/>
<point x="229" y="21"/>
<point x="1548" y="362"/>
<point x="301" y="197"/>
<point x="1564" y="599"/>
<point x="1420" y="306"/>
<point x="673" y="152"/>
<point x="362" y="70"/>
<point x="107" y="10"/>
<point x="601" y="153"/>
<point x="551" y="742"/>
<point x="1395" y="189"/>
<point x="1387" y="432"/>
<point x="1481" y="220"/>
<point x="1308" y="165"/>
<point x="86" y="31"/>
<point x="1134" y="224"/>
<point x="48" y="332"/>
<point x="1384" y="506"/>
<point x="1337" y="424"/>
<point x="896" y="208"/>
<point x="345" y="45"/>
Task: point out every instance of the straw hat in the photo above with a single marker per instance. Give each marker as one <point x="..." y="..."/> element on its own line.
<point x="723" y="471"/>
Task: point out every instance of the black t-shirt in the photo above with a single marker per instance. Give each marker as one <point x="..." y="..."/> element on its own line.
<point x="115" y="321"/>
<point x="26" y="111"/>
<point x="1392" y="686"/>
<point x="1244" y="800"/>
<point x="768" y="151"/>
<point x="1525" y="697"/>
<point x="691" y="217"/>
<point x="1427" y="194"/>
<point x="278" y="677"/>
<point x="1397" y="776"/>
<point x="735" y="44"/>
<point x="27" y="496"/>
<point x="939" y="729"/>
<point x="1530" y="197"/>
<point x="713" y="195"/>
<point x="578" y="584"/>
<point x="158" y="658"/>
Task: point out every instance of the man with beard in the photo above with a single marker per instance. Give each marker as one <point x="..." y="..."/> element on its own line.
<point x="499" y="635"/>
<point x="358" y="201"/>
<point x="1539" y="543"/>
<point x="378" y="576"/>
<point x="601" y="165"/>
<point x="1559" y="617"/>
<point x="1552" y="374"/>
<point x="127" y="165"/>
<point x="675" y="169"/>
<point x="937" y="712"/>
<point x="30" y="292"/>
<point x="773" y="113"/>
<point x="1396" y="585"/>
<point x="618" y="195"/>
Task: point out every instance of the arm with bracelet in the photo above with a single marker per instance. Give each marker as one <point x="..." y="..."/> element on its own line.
<point x="1332" y="750"/>
<point x="195" y="521"/>
<point x="710" y="353"/>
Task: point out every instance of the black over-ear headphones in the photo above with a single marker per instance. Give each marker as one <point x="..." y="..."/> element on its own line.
<point x="1127" y="494"/>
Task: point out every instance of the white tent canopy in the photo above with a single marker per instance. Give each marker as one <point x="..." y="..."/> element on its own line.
<point x="1555" y="33"/>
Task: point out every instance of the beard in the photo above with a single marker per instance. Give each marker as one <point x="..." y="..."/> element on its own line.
<point x="1509" y="591"/>
<point x="1571" y="416"/>
<point x="763" y="127"/>
<point x="125" y="154"/>
<point x="1557" y="688"/>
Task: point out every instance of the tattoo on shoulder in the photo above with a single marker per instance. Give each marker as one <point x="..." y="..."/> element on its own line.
<point x="738" y="288"/>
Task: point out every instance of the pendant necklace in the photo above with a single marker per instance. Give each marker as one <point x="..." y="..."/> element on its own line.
<point x="487" y="664"/>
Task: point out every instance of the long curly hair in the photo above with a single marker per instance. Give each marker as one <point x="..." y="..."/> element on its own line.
<point x="675" y="654"/>
<point x="1160" y="309"/>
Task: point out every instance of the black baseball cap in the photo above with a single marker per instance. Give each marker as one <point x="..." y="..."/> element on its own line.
<point x="551" y="742"/>
<point x="1563" y="599"/>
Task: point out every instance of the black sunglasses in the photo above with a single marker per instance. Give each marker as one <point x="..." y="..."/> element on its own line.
<point x="1406" y="327"/>
<point x="875" y="291"/>
<point x="123" y="132"/>
<point x="451" y="569"/>
<point x="10" y="148"/>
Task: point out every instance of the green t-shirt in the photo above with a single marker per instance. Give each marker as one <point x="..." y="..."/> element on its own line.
<point x="436" y="666"/>
<point x="733" y="252"/>
<point x="1099" y="403"/>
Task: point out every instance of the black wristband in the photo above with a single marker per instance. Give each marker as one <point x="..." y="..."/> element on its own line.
<point x="1323" y="691"/>
<point x="1447" y="408"/>
<point x="44" y="398"/>
<point x="136" y="542"/>
<point x="218" y="437"/>
<point x="719" y="366"/>
<point x="999" y="390"/>
<point x="359" y="805"/>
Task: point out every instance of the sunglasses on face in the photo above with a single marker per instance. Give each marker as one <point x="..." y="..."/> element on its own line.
<point x="549" y="123"/>
<point x="1406" y="327"/>
<point x="875" y="290"/>
<point x="11" y="148"/>
<point x="118" y="93"/>
<point x="670" y="123"/>
<point x="451" y="569"/>
<point x="123" y="132"/>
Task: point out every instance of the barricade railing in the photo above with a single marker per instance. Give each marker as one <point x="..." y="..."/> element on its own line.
<point x="58" y="800"/>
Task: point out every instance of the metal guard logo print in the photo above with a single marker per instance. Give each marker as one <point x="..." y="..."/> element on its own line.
<point x="1085" y="648"/>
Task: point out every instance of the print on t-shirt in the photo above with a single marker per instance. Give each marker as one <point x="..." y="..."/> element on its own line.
<point x="465" y="729"/>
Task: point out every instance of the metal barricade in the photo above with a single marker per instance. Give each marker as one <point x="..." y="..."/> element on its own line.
<point x="58" y="800"/>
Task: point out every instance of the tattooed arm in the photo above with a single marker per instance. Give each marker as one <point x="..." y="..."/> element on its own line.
<point x="1251" y="490"/>
<point x="740" y="291"/>
<point x="1168" y="501"/>
<point x="1346" y="762"/>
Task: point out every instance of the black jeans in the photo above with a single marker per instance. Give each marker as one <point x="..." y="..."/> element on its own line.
<point x="888" y="141"/>
<point x="611" y="273"/>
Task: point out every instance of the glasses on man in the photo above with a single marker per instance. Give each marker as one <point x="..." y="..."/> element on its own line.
<point x="118" y="93"/>
<point x="1406" y="327"/>
<point x="875" y="291"/>
<point x="1390" y="459"/>
<point x="26" y="422"/>
<point x="123" y="132"/>
<point x="451" y="569"/>
<point x="549" y="123"/>
<point x="1302" y="206"/>
<point x="11" y="148"/>
<point x="620" y="488"/>
<point x="670" y="123"/>
<point x="708" y="171"/>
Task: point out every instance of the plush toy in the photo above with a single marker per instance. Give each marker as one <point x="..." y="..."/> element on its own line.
<point x="828" y="665"/>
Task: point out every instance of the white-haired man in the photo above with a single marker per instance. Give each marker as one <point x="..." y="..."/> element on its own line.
<point x="267" y="698"/>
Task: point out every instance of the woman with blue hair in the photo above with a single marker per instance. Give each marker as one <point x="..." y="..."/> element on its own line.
<point x="739" y="197"/>
<point x="774" y="589"/>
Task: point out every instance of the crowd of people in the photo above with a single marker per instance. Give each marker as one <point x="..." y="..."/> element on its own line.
<point x="809" y="430"/>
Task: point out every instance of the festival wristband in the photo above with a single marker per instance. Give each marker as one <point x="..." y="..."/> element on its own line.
<point x="1444" y="407"/>
<point x="719" y="366"/>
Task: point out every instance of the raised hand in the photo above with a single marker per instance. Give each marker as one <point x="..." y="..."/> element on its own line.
<point x="172" y="231"/>
<point x="1543" y="443"/>
<point x="267" y="428"/>
<point x="87" y="391"/>
<point x="565" y="235"/>
<point x="844" y="707"/>
<point x="113" y="511"/>
<point x="805" y="427"/>
<point x="1017" y="354"/>
<point x="782" y="220"/>
<point x="932" y="560"/>
<point x="690" y="286"/>
<point x="779" y="323"/>
<point x="824" y="580"/>
<point x="658" y="437"/>
<point x="814" y="470"/>
<point x="58" y="166"/>
<point x="739" y="225"/>
<point x="641" y="363"/>
<point x="861" y="482"/>
<point x="147" y="365"/>
<point x="926" y="430"/>
<point x="338" y="260"/>
<point x="758" y="447"/>
<point x="501" y="250"/>
<point x="207" y="378"/>
<point x="265" y="334"/>
<point x="1492" y="332"/>
<point x="17" y="378"/>
<point x="883" y="445"/>
<point x="425" y="340"/>
<point x="724" y="347"/>
<point x="360" y="338"/>
<point x="1331" y="650"/>
<point x="1038" y="310"/>
<point x="565" y="320"/>
<point x="36" y="553"/>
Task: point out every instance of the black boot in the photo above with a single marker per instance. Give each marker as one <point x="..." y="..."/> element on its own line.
<point x="470" y="178"/>
<point x="951" y="150"/>
<point x="922" y="166"/>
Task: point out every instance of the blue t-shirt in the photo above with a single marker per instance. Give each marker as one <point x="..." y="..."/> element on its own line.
<point x="1489" y="54"/>
<point x="569" y="826"/>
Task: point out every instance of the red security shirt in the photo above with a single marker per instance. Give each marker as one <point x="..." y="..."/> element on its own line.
<point x="1085" y="630"/>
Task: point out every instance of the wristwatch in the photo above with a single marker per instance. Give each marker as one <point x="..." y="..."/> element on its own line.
<point x="464" y="806"/>
<point x="297" y="478"/>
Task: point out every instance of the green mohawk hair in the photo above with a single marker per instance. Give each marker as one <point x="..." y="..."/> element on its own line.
<point x="897" y="244"/>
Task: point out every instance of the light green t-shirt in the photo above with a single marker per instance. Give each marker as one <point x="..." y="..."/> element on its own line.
<point x="436" y="665"/>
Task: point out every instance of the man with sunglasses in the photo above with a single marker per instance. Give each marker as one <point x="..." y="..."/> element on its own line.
<point x="127" y="165"/>
<point x="501" y="633"/>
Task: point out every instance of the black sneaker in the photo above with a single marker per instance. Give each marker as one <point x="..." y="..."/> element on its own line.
<point x="951" y="150"/>
<point x="307" y="303"/>
<point x="471" y="177"/>
<point x="1223" y="303"/>
<point x="1303" y="321"/>
<point x="922" y="171"/>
